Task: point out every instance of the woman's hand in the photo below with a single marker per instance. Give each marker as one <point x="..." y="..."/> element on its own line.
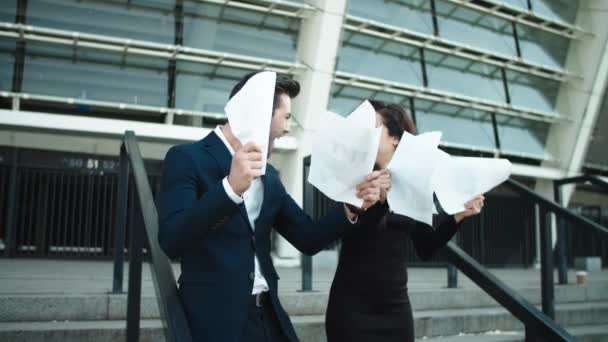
<point x="384" y="181"/>
<point x="472" y="208"/>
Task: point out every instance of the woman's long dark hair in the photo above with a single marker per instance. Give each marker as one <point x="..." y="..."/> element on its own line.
<point x="395" y="118"/>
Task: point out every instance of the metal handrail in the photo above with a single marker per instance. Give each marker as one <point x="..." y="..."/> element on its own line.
<point x="556" y="208"/>
<point x="561" y="227"/>
<point x="536" y="323"/>
<point x="145" y="227"/>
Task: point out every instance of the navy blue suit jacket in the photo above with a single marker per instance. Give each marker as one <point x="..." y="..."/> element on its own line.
<point x="212" y="237"/>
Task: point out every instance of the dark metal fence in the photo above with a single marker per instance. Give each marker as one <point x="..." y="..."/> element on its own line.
<point x="56" y="204"/>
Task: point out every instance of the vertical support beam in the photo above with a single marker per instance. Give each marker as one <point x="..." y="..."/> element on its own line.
<point x="505" y="84"/>
<point x="496" y="135"/>
<point x="172" y="68"/>
<point x="425" y="78"/>
<point x="516" y="38"/>
<point x="318" y="42"/>
<point x="562" y="261"/>
<point x="121" y="221"/>
<point x="434" y="16"/>
<point x="546" y="261"/>
<point x="413" y="111"/>
<point x="11" y="209"/>
<point x="20" y="18"/>
<point x="135" y="268"/>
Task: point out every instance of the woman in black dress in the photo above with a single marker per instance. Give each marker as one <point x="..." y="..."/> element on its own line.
<point x="368" y="301"/>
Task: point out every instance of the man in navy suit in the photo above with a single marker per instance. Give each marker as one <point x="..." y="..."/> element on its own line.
<point x="216" y="211"/>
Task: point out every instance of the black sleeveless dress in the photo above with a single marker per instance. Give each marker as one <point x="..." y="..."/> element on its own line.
<point x="368" y="301"/>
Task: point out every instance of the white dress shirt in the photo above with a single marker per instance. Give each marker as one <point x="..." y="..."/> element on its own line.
<point x="253" y="197"/>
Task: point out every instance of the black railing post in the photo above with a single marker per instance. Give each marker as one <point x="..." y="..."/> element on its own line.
<point x="135" y="267"/>
<point x="306" y="273"/>
<point x="546" y="262"/>
<point x="121" y="221"/>
<point x="531" y="334"/>
<point x="308" y="205"/>
<point x="562" y="257"/>
<point x="11" y="208"/>
<point x="452" y="276"/>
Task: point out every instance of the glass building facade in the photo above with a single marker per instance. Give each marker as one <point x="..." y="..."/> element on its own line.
<point x="489" y="81"/>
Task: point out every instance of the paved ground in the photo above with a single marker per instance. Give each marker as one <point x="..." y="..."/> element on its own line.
<point x="34" y="276"/>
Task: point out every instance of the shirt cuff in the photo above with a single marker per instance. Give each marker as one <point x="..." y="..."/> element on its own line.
<point x="353" y="221"/>
<point x="233" y="195"/>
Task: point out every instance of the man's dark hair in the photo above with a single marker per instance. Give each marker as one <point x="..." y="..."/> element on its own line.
<point x="395" y="118"/>
<point x="283" y="85"/>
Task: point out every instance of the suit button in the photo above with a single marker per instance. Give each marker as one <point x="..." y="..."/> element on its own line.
<point x="252" y="275"/>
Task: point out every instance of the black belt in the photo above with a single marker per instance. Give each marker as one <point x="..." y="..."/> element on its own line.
<point x="260" y="299"/>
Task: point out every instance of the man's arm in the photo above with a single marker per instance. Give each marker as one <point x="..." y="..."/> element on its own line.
<point x="185" y="218"/>
<point x="309" y="236"/>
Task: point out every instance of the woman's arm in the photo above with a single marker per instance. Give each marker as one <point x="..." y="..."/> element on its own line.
<point x="427" y="240"/>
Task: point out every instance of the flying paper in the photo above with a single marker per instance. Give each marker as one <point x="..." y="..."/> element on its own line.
<point x="412" y="168"/>
<point x="250" y="111"/>
<point x="344" y="152"/>
<point x="458" y="179"/>
<point x="422" y="169"/>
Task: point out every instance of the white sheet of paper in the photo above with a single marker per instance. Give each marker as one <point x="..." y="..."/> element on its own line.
<point x="250" y="111"/>
<point x="412" y="168"/>
<point x="343" y="153"/>
<point x="459" y="179"/>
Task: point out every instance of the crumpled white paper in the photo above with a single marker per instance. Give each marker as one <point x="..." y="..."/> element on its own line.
<point x="422" y="169"/>
<point x="411" y="170"/>
<point x="249" y="112"/>
<point x="344" y="152"/>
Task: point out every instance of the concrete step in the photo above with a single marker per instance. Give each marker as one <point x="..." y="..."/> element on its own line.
<point x="151" y="331"/>
<point x="311" y="327"/>
<point x="48" y="307"/>
<point x="478" y="320"/>
<point x="585" y="333"/>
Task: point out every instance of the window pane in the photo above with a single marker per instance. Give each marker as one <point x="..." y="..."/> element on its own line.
<point x="201" y="87"/>
<point x="370" y="56"/>
<point x="239" y="31"/>
<point x="7" y="60"/>
<point x="142" y="20"/>
<point x="8" y="11"/>
<point x="94" y="75"/>
<point x="542" y="47"/>
<point x="560" y="10"/>
<point x="521" y="4"/>
<point x="531" y="91"/>
<point x="464" y="76"/>
<point x="459" y="125"/>
<point x="518" y="135"/>
<point x="474" y="28"/>
<point x="344" y="100"/>
<point x="596" y="154"/>
<point x="414" y="15"/>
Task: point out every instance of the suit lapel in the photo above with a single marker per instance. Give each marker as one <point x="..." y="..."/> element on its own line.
<point x="216" y="148"/>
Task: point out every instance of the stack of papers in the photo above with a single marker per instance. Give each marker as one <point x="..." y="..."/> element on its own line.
<point x="345" y="150"/>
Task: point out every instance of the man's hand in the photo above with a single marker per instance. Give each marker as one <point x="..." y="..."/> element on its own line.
<point x="472" y="207"/>
<point x="246" y="166"/>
